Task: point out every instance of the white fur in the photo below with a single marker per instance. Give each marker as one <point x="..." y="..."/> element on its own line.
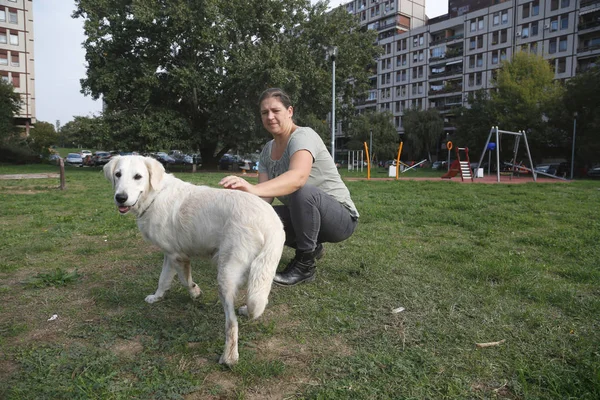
<point x="240" y="231"/>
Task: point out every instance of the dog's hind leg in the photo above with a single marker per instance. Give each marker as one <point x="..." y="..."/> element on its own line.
<point x="164" y="282"/>
<point x="229" y="278"/>
<point x="184" y="271"/>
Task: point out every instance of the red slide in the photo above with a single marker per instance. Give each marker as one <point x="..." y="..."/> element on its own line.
<point x="454" y="169"/>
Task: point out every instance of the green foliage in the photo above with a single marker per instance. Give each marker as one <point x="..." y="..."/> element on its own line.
<point x="385" y="136"/>
<point x="525" y="90"/>
<point x="582" y="99"/>
<point x="41" y="137"/>
<point x="10" y="104"/>
<point x="474" y="122"/>
<point x="423" y="131"/>
<point x="189" y="74"/>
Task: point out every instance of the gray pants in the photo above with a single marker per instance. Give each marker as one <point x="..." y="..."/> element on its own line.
<point x="312" y="216"/>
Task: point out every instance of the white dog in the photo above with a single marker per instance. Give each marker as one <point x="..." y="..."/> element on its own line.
<point x="239" y="230"/>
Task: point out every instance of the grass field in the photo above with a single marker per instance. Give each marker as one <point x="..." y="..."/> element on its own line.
<point x="469" y="264"/>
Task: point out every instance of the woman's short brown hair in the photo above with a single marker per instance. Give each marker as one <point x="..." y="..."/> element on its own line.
<point x="276" y="92"/>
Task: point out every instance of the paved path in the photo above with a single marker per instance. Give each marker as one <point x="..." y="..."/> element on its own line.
<point x="30" y="176"/>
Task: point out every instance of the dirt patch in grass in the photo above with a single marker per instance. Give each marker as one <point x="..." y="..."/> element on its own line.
<point x="128" y="348"/>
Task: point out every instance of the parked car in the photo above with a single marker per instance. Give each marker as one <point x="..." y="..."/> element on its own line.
<point x="594" y="172"/>
<point x="550" y="169"/>
<point x="85" y="153"/>
<point x="226" y="162"/>
<point x="74" y="159"/>
<point x="163" y="158"/>
<point x="53" y="158"/>
<point x="101" y="158"/>
<point x="439" y="165"/>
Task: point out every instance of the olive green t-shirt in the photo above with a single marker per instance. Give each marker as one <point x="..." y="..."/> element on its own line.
<point x="323" y="173"/>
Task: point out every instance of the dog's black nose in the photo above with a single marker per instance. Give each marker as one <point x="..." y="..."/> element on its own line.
<point x="121" y="198"/>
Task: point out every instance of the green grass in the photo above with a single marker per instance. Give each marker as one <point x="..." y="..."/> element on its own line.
<point x="470" y="263"/>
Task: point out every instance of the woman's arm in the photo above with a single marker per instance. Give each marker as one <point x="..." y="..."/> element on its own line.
<point x="288" y="182"/>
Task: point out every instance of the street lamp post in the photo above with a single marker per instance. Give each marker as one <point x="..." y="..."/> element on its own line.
<point x="371" y="145"/>
<point x="573" y="147"/>
<point x="332" y="53"/>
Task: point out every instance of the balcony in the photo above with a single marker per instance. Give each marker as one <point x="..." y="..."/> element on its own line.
<point x="446" y="89"/>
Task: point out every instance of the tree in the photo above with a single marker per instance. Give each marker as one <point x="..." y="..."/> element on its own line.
<point x="423" y="131"/>
<point x="10" y="105"/>
<point x="189" y="74"/>
<point x="385" y="136"/>
<point x="524" y="95"/>
<point x="581" y="101"/>
<point x="473" y="123"/>
<point x="41" y="137"/>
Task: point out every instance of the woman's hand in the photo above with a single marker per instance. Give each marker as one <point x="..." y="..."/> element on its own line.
<point x="236" y="183"/>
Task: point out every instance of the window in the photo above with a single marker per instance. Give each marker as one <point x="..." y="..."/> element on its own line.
<point x="533" y="48"/>
<point x="4" y="76"/>
<point x="3" y="58"/>
<point x="480" y="23"/>
<point x="562" y="44"/>
<point x="471" y="61"/>
<point x="479" y="41"/>
<point x="534" y="28"/>
<point x="525" y="31"/>
<point x="471" y="79"/>
<point x="495" y="36"/>
<point x="14" y="59"/>
<point x="503" y="35"/>
<point x="415" y="41"/>
<point x="496" y="19"/>
<point x="504" y="17"/>
<point x="553" y="5"/>
<point x="2" y="15"/>
<point x="479" y="60"/>
<point x="16" y="80"/>
<point x="472" y="43"/>
<point x="561" y="66"/>
<point x="564" y="3"/>
<point x="564" y="22"/>
<point x="503" y="55"/>
<point x="478" y="78"/>
<point x="473" y="25"/>
<point x="12" y="17"/>
<point x="3" y="37"/>
<point x="495" y="57"/>
<point x="535" y="8"/>
<point x="554" y="24"/>
<point x="525" y="10"/>
<point x="421" y="40"/>
<point x="14" y="39"/>
<point x="552" y="46"/>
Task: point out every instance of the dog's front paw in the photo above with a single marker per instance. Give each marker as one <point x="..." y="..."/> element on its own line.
<point x="230" y="360"/>
<point x="195" y="291"/>
<point x="151" y="298"/>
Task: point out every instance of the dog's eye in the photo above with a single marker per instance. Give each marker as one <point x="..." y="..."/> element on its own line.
<point x="118" y="174"/>
<point x="137" y="177"/>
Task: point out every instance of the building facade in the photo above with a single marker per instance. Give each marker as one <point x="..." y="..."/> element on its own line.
<point x="16" y="55"/>
<point x="435" y="63"/>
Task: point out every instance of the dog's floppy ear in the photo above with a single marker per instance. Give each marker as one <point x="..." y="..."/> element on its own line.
<point x="109" y="169"/>
<point x="156" y="171"/>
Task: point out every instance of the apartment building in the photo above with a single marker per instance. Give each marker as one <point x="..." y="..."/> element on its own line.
<point x="435" y="63"/>
<point x="16" y="55"/>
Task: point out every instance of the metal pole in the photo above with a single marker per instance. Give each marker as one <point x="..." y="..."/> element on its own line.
<point x="573" y="148"/>
<point x="371" y="146"/>
<point x="497" y="154"/>
<point x="333" y="106"/>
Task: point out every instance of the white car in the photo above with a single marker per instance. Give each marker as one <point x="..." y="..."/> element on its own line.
<point x="85" y="153"/>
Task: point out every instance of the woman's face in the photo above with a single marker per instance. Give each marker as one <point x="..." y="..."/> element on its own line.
<point x="275" y="117"/>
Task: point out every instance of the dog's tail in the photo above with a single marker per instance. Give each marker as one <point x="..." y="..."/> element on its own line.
<point x="262" y="272"/>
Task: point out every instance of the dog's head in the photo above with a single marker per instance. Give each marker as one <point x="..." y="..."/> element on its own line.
<point x="133" y="178"/>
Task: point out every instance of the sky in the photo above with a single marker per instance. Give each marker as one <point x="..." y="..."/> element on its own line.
<point x="60" y="60"/>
